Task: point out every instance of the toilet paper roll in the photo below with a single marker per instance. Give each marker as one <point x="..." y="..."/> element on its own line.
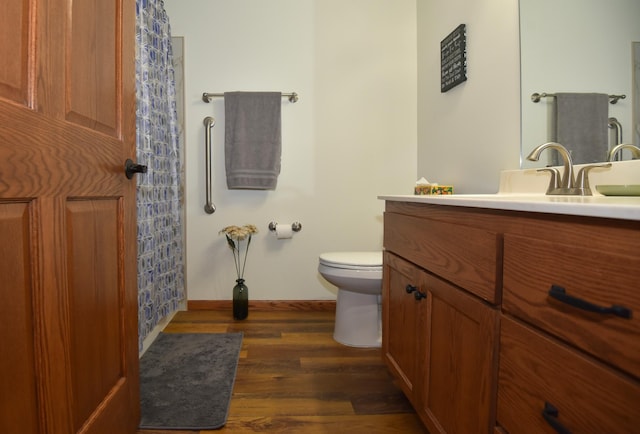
<point x="283" y="231"/>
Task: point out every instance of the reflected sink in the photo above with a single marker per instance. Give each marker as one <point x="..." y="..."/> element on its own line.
<point x="618" y="190"/>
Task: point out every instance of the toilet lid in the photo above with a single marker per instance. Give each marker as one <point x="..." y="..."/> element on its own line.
<point x="352" y="259"/>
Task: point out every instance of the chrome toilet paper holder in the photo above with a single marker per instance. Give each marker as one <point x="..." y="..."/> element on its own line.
<point x="295" y="226"/>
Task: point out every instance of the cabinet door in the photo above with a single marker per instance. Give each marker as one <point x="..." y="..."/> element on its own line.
<point x="460" y="358"/>
<point x="401" y="320"/>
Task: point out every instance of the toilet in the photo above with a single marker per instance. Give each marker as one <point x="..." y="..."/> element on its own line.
<point x="358" y="276"/>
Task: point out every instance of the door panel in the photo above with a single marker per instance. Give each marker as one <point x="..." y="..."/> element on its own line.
<point x="94" y="292"/>
<point x="14" y="31"/>
<point x="18" y="401"/>
<point x="67" y="215"/>
<point x="92" y="64"/>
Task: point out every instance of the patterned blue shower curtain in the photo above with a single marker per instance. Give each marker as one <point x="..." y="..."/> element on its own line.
<point x="159" y="194"/>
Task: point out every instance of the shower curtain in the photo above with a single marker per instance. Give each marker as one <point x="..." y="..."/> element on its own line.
<point x="159" y="193"/>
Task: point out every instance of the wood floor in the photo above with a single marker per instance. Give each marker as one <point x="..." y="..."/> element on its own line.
<point x="294" y="378"/>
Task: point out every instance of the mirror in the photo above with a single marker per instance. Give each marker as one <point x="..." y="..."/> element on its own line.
<point x="578" y="46"/>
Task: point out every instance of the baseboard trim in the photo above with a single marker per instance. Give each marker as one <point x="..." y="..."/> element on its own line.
<point x="267" y="305"/>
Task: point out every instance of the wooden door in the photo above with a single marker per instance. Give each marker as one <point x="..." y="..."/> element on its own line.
<point x="68" y="310"/>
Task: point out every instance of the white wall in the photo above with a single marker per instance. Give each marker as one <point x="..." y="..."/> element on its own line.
<point x="352" y="136"/>
<point x="470" y="133"/>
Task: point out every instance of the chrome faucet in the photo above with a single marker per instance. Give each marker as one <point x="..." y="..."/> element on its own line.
<point x="565" y="183"/>
<point x="566" y="180"/>
<point x="635" y="151"/>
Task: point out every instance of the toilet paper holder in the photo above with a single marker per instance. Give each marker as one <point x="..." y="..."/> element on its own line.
<point x="295" y="226"/>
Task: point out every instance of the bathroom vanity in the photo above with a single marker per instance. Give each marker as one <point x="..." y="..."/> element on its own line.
<point x="507" y="314"/>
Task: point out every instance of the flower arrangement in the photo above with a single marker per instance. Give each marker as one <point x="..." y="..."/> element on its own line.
<point x="236" y="234"/>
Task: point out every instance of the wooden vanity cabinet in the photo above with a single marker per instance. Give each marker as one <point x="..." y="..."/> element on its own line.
<point x="442" y="343"/>
<point x="501" y="342"/>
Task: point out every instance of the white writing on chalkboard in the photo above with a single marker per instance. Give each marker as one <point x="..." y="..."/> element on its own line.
<point x="453" y="59"/>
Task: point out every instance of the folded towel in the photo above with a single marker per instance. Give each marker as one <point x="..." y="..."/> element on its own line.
<point x="252" y="145"/>
<point x="582" y="121"/>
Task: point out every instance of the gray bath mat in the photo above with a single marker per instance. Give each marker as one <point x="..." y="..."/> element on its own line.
<point x="186" y="380"/>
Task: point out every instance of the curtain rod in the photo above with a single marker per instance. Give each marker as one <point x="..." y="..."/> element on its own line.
<point x="535" y="97"/>
<point x="206" y="97"/>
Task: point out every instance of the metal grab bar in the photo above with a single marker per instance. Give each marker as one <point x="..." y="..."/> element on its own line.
<point x="617" y="127"/>
<point x="209" y="122"/>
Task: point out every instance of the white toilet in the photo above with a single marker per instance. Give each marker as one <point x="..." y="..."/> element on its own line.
<point x="358" y="276"/>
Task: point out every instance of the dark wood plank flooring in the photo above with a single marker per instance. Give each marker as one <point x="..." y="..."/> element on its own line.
<point x="294" y="378"/>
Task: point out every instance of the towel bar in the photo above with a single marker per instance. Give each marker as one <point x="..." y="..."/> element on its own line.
<point x="206" y="97"/>
<point x="209" y="122"/>
<point x="535" y="97"/>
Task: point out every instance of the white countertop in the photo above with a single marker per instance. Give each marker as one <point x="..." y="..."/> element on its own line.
<point x="617" y="207"/>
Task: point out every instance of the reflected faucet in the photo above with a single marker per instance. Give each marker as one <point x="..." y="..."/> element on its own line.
<point x="635" y="151"/>
<point x="565" y="183"/>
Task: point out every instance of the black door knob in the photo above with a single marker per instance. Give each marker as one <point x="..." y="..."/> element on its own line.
<point x="131" y="168"/>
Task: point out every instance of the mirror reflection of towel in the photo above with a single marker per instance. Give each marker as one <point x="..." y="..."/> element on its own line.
<point x="582" y="126"/>
<point x="252" y="145"/>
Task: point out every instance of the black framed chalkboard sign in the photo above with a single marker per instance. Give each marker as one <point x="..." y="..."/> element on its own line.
<point x="453" y="58"/>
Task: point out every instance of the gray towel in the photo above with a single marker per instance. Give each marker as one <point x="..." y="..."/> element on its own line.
<point x="252" y="144"/>
<point x="582" y="121"/>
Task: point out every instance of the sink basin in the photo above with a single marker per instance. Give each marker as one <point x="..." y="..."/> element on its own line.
<point x="531" y="181"/>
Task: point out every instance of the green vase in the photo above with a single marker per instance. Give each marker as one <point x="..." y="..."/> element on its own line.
<point x="240" y="300"/>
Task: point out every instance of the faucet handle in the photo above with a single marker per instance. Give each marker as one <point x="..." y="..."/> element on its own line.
<point x="582" y="180"/>
<point x="554" y="181"/>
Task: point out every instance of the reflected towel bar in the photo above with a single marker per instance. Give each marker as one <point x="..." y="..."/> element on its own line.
<point x="206" y="97"/>
<point x="535" y="97"/>
<point x="209" y="122"/>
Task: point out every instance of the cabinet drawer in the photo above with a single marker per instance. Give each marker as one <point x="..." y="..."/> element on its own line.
<point x="535" y="369"/>
<point x="464" y="255"/>
<point x="532" y="266"/>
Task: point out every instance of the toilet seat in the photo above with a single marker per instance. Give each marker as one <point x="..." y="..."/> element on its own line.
<point x="367" y="261"/>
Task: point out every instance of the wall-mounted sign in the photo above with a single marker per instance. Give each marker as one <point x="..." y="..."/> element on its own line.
<point x="453" y="59"/>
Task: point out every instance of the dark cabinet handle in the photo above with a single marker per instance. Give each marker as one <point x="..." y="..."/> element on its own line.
<point x="560" y="294"/>
<point x="419" y="295"/>
<point x="131" y="168"/>
<point x="550" y="414"/>
<point x="414" y="289"/>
